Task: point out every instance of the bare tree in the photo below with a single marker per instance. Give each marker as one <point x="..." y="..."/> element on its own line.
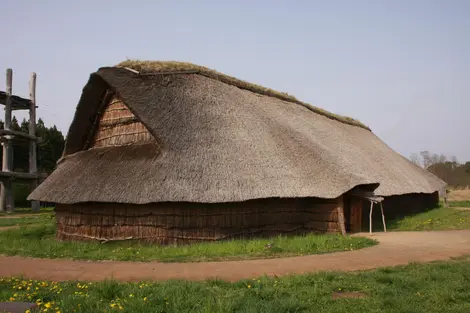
<point x="426" y="156"/>
<point x="453" y="159"/>
<point x="434" y="159"/>
<point x="415" y="159"/>
<point x="442" y="159"/>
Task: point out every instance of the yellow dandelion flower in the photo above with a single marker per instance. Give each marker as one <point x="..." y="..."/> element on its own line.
<point x="48" y="305"/>
<point x="27" y="311"/>
<point x="145" y="298"/>
<point x="12" y="299"/>
<point x="249" y="286"/>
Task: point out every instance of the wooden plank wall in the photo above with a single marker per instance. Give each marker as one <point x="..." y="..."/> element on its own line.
<point x="408" y="204"/>
<point x="169" y="223"/>
<point x="118" y="127"/>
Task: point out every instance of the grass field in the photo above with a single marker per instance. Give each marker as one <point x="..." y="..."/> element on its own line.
<point x="39" y="241"/>
<point x="461" y="204"/>
<point x="436" y="287"/>
<point x="26" y="220"/>
<point x="27" y="211"/>
<point x="436" y="219"/>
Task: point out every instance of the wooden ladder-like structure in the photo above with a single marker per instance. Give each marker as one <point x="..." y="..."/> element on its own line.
<point x="7" y="135"/>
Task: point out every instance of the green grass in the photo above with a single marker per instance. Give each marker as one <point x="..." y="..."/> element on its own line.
<point x="39" y="241"/>
<point x="23" y="211"/>
<point x="436" y="219"/>
<point x="30" y="220"/>
<point x="442" y="287"/>
<point x="461" y="204"/>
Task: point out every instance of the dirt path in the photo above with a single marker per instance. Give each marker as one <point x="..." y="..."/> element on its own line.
<point x="395" y="248"/>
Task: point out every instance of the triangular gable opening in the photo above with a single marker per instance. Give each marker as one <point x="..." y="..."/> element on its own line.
<point x="118" y="126"/>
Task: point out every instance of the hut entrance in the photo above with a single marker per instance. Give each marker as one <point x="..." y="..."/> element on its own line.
<point x="352" y="213"/>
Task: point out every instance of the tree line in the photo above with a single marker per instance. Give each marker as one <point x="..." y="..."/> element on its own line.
<point x="449" y="169"/>
<point x="49" y="150"/>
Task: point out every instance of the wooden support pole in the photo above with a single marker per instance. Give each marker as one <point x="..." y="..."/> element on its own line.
<point x="33" y="169"/>
<point x="383" y="217"/>
<point x="370" y="216"/>
<point x="6" y="196"/>
<point x="446" y="205"/>
<point x="341" y="220"/>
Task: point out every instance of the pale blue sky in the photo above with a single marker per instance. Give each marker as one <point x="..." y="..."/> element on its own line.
<point x="401" y="67"/>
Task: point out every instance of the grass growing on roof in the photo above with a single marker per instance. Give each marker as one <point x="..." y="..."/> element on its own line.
<point x="39" y="241"/>
<point x="169" y="66"/>
<point x="418" y="288"/>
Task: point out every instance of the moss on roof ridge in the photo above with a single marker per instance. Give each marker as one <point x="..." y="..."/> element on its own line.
<point x="174" y="66"/>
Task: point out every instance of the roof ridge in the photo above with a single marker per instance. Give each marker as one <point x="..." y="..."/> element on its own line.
<point x="181" y="67"/>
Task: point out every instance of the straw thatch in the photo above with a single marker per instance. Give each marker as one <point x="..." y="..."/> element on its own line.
<point x="219" y="140"/>
<point x="182" y="222"/>
<point x="161" y="67"/>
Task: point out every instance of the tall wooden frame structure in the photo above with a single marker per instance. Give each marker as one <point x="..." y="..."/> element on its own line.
<point x="8" y="135"/>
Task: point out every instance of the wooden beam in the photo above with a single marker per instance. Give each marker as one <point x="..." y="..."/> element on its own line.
<point x="20" y="175"/>
<point x="94" y="127"/>
<point x="33" y="168"/>
<point x="341" y="221"/>
<point x="370" y="216"/>
<point x="383" y="217"/>
<point x="6" y="196"/>
<point x="444" y="191"/>
<point x="17" y="103"/>
<point x="14" y="133"/>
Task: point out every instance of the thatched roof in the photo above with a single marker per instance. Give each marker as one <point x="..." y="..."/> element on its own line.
<point x="220" y="140"/>
<point x="153" y="67"/>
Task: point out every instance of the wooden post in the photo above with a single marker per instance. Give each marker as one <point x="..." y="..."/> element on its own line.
<point x="33" y="169"/>
<point x="341" y="221"/>
<point x="383" y="217"/>
<point x="446" y="205"/>
<point x="370" y="216"/>
<point x="6" y="197"/>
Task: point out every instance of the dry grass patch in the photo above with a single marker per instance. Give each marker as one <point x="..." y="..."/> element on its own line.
<point x="459" y="194"/>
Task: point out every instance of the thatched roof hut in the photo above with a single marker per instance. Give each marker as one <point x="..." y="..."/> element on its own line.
<point x="171" y="136"/>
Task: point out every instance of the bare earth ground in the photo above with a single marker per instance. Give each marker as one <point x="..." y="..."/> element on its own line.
<point x="395" y="248"/>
